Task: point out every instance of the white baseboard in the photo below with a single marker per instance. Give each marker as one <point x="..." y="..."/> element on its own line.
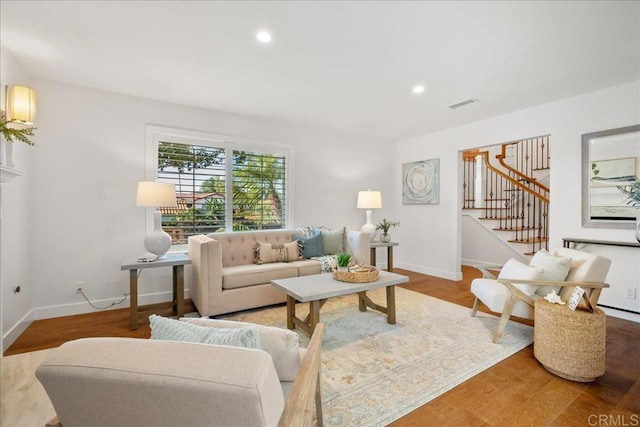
<point x="17" y="330"/>
<point x="621" y="314"/>
<point x="51" y="311"/>
<point x="449" y="275"/>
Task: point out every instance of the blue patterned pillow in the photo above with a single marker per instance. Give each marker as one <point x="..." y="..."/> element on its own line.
<point x="310" y="245"/>
<point x="163" y="328"/>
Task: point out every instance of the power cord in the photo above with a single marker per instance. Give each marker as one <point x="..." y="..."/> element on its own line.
<point x="81" y="292"/>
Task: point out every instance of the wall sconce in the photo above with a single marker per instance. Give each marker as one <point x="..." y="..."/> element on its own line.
<point x="16" y="123"/>
<point x="21" y="105"/>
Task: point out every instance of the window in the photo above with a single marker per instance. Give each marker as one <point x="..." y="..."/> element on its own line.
<point x="222" y="187"/>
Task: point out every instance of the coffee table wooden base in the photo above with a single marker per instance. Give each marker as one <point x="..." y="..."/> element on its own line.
<point x="308" y="324"/>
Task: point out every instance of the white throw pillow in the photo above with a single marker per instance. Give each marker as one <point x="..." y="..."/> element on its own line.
<point x="163" y="328"/>
<point x="554" y="268"/>
<point x="514" y="269"/>
<point x="281" y="344"/>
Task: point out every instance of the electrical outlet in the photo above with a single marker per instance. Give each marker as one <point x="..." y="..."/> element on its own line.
<point x="79" y="287"/>
<point x="631" y="293"/>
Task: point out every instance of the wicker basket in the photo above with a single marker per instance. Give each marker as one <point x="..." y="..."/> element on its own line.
<point x="570" y="344"/>
<point x="359" y="275"/>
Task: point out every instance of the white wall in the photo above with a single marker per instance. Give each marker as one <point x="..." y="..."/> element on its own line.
<point x="91" y="155"/>
<point x="430" y="234"/>
<point x="15" y="222"/>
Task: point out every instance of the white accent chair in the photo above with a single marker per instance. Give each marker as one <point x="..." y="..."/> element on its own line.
<point x="138" y="382"/>
<point x="502" y="295"/>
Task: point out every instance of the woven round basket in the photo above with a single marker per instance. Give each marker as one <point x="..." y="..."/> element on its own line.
<point x="570" y="344"/>
<point x="369" y="275"/>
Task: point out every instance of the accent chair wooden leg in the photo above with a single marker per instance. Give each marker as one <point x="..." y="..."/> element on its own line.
<point x="474" y="309"/>
<point x="506" y="314"/>
<point x="318" y="403"/>
<point x="53" y="422"/>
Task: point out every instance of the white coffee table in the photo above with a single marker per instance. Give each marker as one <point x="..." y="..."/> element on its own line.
<point x="317" y="288"/>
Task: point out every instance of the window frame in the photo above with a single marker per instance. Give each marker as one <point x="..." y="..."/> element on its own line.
<point x="155" y="134"/>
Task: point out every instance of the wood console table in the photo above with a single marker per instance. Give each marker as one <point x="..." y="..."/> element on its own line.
<point x="567" y="241"/>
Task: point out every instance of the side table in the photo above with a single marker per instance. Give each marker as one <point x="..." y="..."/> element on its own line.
<point x="389" y="246"/>
<point x="570" y="344"/>
<point x="177" y="261"/>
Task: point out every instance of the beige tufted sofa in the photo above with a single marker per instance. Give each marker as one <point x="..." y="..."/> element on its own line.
<point x="226" y="279"/>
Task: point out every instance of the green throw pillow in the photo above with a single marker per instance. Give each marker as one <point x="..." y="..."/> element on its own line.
<point x="163" y="328"/>
<point x="311" y="245"/>
<point x="333" y="241"/>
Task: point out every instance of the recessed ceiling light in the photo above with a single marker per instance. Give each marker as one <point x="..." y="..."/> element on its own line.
<point x="418" y="89"/>
<point x="263" y="37"/>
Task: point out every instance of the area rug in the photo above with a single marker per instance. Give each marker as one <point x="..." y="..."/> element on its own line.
<point x="374" y="373"/>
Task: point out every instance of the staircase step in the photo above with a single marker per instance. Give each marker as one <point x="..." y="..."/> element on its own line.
<point x="541" y="169"/>
<point x="506" y="199"/>
<point x="500" y="217"/>
<point x="534" y="240"/>
<point x="512" y="189"/>
<point x="515" y="229"/>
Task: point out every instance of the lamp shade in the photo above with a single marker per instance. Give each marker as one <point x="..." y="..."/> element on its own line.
<point x="369" y="200"/>
<point x="155" y="194"/>
<point x="21" y="105"/>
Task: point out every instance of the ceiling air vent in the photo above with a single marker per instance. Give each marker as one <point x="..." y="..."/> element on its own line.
<point x="463" y="103"/>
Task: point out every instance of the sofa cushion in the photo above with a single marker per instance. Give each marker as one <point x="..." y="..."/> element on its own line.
<point x="163" y="328"/>
<point x="240" y="276"/>
<point x="310" y="245"/>
<point x="307" y="267"/>
<point x="276" y="252"/>
<point x="514" y="269"/>
<point x="281" y="344"/>
<point x="333" y="240"/>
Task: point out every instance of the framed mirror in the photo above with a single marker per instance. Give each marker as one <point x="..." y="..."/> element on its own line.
<point x="610" y="165"/>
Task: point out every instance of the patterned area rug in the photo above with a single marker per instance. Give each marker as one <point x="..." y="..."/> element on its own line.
<point x="374" y="373"/>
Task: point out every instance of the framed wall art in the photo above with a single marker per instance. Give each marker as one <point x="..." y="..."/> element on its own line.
<point x="421" y="182"/>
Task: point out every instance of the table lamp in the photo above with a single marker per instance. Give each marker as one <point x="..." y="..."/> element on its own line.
<point x="369" y="200"/>
<point x="156" y="194"/>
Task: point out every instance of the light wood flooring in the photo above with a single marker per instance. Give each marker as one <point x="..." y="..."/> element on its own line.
<point x="516" y="391"/>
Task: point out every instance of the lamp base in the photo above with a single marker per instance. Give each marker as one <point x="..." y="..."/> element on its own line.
<point x="369" y="227"/>
<point x="157" y="242"/>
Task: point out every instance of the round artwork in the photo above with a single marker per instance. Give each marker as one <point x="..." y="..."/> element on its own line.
<point x="420" y="182"/>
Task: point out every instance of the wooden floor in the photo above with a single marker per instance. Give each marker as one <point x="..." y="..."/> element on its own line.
<point x="516" y="391"/>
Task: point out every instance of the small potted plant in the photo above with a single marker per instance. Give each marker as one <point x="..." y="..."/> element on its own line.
<point x="385" y="225"/>
<point x="632" y="191"/>
<point x="343" y="260"/>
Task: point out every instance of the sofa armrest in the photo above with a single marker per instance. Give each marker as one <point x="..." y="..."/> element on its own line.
<point x="358" y="244"/>
<point x="206" y="258"/>
<point x="306" y="387"/>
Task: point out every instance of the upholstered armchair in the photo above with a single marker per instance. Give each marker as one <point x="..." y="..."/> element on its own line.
<point x="514" y="291"/>
<point x="138" y="382"/>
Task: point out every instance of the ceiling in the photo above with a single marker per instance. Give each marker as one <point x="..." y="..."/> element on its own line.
<point x="346" y="66"/>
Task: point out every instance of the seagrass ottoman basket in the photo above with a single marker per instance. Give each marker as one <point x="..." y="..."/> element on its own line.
<point x="570" y="344"/>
